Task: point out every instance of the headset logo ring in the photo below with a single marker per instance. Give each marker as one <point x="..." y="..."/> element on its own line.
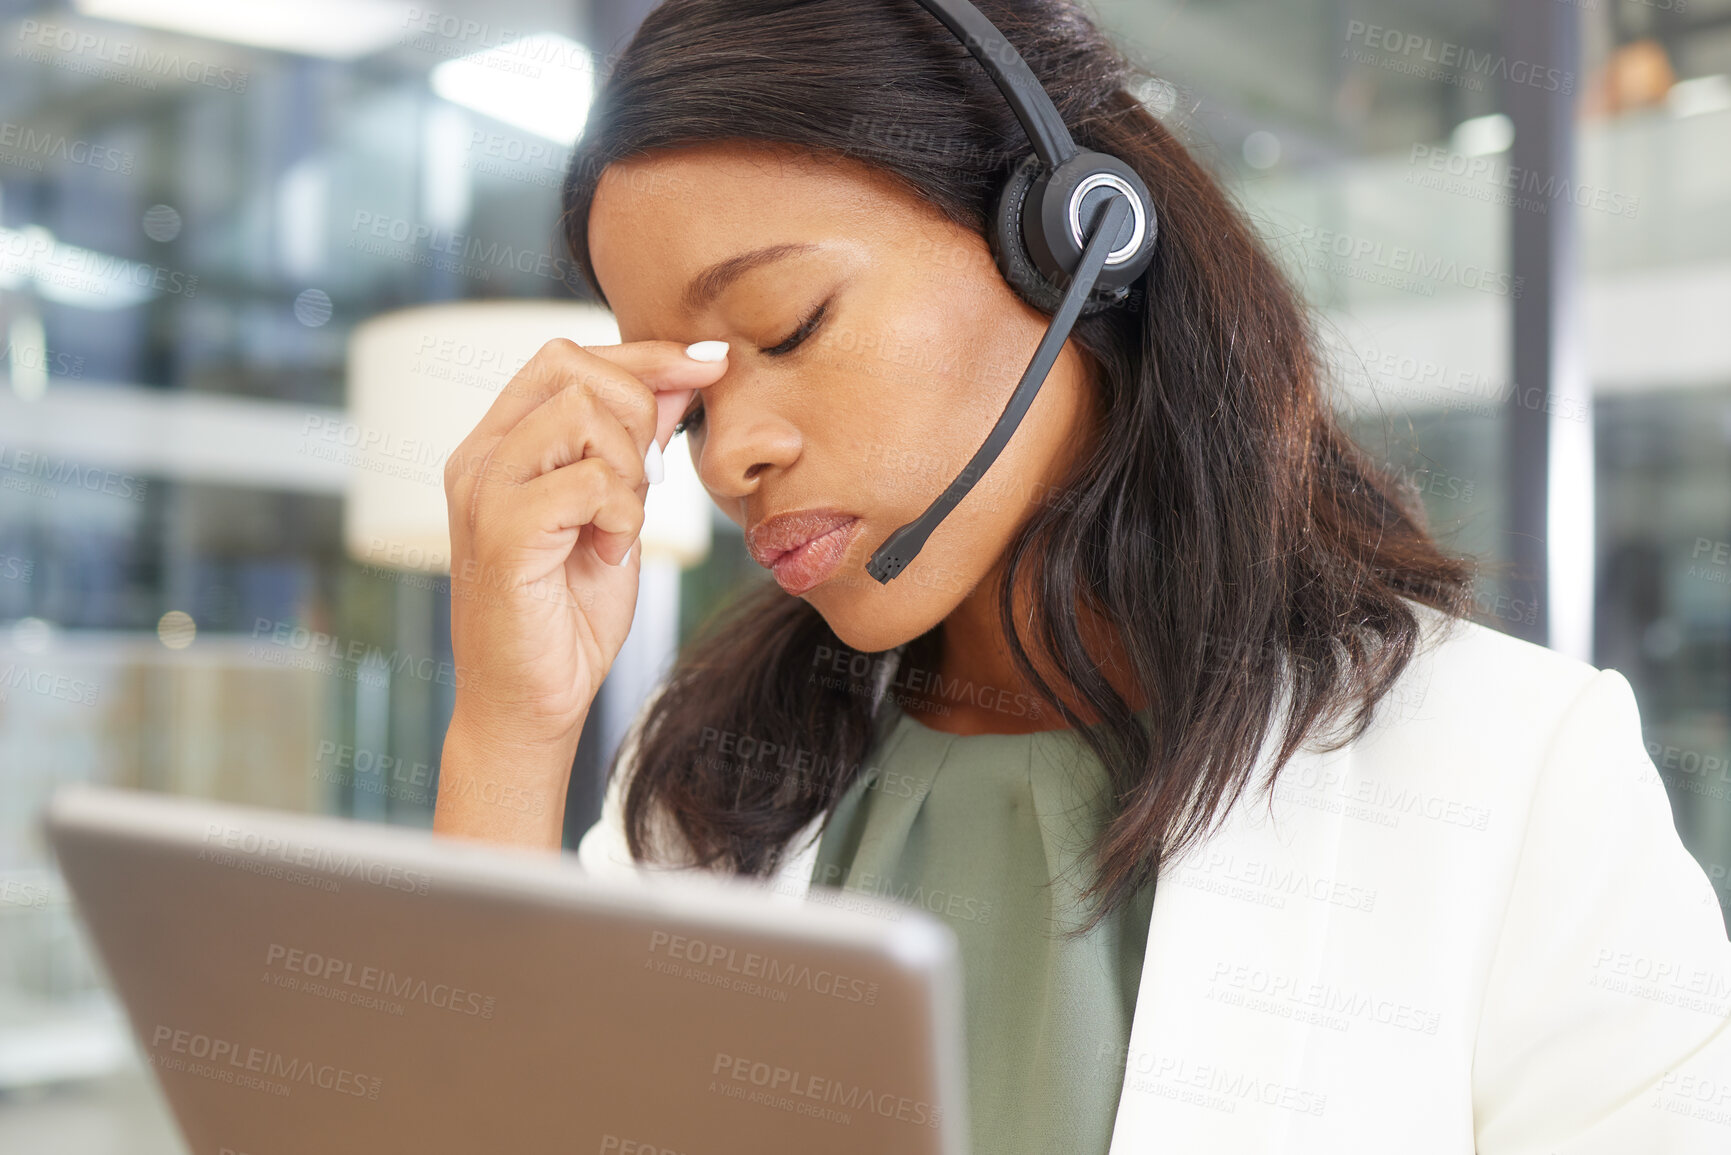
<point x="1108" y="180"/>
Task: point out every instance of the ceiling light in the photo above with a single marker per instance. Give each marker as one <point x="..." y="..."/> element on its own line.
<point x="337" y="29"/>
<point x="1483" y="135"/>
<point x="542" y="84"/>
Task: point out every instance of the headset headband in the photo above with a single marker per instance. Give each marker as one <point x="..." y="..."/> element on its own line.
<point x="1028" y="99"/>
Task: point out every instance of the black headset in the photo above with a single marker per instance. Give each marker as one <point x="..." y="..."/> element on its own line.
<point x="1072" y="230"/>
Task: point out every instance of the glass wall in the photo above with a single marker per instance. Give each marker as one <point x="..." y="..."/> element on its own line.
<point x="1658" y="131"/>
<point x="1372" y="143"/>
<point x="194" y="222"/>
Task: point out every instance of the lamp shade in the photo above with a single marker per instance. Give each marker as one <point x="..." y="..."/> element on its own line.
<point x="418" y="382"/>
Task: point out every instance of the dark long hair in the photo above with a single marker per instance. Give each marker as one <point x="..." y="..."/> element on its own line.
<point x="1254" y="564"/>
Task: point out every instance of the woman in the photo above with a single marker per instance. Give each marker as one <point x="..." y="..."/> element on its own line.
<point x="1413" y="875"/>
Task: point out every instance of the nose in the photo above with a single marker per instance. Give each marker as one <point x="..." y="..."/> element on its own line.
<point x="744" y="440"/>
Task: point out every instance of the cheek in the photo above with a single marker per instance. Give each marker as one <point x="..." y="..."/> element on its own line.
<point x="903" y="431"/>
<point x="913" y="390"/>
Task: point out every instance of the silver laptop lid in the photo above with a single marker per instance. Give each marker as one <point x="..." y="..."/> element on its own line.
<point x="304" y="984"/>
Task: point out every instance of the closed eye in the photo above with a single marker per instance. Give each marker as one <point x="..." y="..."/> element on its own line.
<point x="806" y="328"/>
<point x="693" y="418"/>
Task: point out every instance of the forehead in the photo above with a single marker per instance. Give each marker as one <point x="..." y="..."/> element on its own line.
<point x="659" y="219"/>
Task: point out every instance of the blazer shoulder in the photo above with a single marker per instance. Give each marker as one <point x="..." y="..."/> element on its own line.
<point x="1607" y="1004"/>
<point x="1465" y="678"/>
<point x="1467" y="643"/>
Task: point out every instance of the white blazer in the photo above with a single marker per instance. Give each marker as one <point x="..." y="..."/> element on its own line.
<point x="1474" y="929"/>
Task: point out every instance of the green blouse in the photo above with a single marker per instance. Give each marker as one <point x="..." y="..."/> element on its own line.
<point x="990" y="833"/>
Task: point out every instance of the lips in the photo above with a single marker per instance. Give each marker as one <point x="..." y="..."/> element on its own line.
<point x="804" y="546"/>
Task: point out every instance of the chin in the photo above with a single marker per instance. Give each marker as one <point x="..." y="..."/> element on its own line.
<point x="869" y="639"/>
<point x="863" y="622"/>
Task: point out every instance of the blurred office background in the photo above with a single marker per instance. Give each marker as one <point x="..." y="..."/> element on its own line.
<point x="237" y="240"/>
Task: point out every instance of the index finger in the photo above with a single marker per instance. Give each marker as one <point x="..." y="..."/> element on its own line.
<point x="673" y="392"/>
<point x="612" y="370"/>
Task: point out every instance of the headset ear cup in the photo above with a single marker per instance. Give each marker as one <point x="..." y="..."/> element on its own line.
<point x="1011" y="251"/>
<point x="1008" y="247"/>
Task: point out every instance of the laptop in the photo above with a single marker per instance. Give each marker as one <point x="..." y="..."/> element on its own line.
<point x="314" y="984"/>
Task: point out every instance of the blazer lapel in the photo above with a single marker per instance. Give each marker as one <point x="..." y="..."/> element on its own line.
<point x="1212" y="1065"/>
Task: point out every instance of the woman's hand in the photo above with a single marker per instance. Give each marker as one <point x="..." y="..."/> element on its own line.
<point x="544" y="497"/>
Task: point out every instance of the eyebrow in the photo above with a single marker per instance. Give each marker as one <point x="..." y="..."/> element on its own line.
<point x="715" y="280"/>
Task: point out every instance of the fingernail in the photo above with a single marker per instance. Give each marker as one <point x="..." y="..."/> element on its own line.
<point x="622" y="562"/>
<point x="707" y="351"/>
<point x="652" y="466"/>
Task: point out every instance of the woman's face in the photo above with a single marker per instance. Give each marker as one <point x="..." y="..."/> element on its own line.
<point x="867" y="413"/>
